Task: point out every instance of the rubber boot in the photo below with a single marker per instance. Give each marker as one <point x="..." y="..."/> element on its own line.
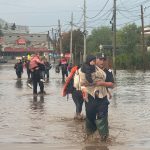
<point x="102" y="126"/>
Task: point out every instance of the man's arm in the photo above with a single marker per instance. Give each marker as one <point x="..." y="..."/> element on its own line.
<point x="106" y="84"/>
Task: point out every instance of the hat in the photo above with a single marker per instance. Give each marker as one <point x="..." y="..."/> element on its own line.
<point x="89" y="58"/>
<point x="101" y="56"/>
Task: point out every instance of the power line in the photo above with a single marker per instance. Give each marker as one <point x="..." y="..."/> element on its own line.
<point x="127" y="16"/>
<point x="138" y="4"/>
<point x="128" y="22"/>
<point x="100" y="17"/>
<point x="99" y="11"/>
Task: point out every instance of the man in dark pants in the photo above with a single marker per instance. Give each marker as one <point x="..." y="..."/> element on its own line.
<point x="96" y="116"/>
<point x="102" y="116"/>
<point x="74" y="89"/>
<point x="36" y="74"/>
<point x="27" y="63"/>
<point x="19" y="68"/>
<point x="36" y="77"/>
<point x="63" y="63"/>
<point x="97" y="106"/>
<point x="47" y="68"/>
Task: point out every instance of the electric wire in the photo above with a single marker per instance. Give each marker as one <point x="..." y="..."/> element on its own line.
<point x="99" y="11"/>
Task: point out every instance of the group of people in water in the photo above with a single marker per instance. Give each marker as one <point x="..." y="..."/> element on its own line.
<point x="37" y="71"/>
<point x="88" y="83"/>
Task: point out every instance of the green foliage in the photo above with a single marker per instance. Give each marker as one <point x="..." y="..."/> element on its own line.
<point x="130" y="61"/>
<point x="101" y="35"/>
<point x="128" y="38"/>
<point x="77" y="43"/>
<point x="6" y="26"/>
<point x="1" y="33"/>
<point x="128" y="52"/>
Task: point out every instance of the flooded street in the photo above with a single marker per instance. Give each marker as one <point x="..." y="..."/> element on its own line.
<point x="47" y="122"/>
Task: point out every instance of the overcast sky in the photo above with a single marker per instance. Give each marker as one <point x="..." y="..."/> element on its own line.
<point x="45" y="13"/>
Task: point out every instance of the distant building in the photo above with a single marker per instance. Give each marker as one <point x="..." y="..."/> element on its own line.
<point x="18" y="41"/>
<point x="147" y="31"/>
<point x="17" y="44"/>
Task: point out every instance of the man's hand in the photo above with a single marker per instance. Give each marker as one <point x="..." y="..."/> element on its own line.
<point x="106" y="84"/>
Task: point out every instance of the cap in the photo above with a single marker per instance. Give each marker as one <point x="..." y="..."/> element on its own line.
<point x="101" y="56"/>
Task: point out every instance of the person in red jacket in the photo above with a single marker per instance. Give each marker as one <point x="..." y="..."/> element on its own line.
<point x="34" y="66"/>
<point x="64" y="64"/>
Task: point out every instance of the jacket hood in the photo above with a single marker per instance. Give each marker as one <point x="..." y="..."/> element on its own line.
<point x="89" y="58"/>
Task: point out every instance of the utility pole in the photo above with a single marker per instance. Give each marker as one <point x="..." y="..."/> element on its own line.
<point x="85" y="32"/>
<point x="75" y="51"/>
<point x="52" y="34"/>
<point x="54" y="39"/>
<point x="142" y="39"/>
<point x="48" y="40"/>
<point x="53" y="43"/>
<point x="114" y="37"/>
<point x="60" y="38"/>
<point x="71" y="53"/>
<point x="56" y="42"/>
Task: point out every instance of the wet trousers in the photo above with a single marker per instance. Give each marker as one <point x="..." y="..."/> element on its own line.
<point x="78" y="100"/>
<point x="97" y="115"/>
<point x="28" y="73"/>
<point x="18" y="73"/>
<point x="46" y="74"/>
<point x="36" y="80"/>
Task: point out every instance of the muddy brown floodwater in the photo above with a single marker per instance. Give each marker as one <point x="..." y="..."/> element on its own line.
<point x="47" y="122"/>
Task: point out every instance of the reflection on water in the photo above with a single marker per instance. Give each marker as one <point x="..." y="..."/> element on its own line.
<point x="38" y="102"/>
<point x="19" y="84"/>
<point x="90" y="147"/>
<point x="49" y="118"/>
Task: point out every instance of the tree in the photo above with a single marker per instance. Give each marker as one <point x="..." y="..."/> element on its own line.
<point x="128" y="41"/>
<point x="6" y="26"/>
<point x="13" y="27"/>
<point x="128" y="38"/>
<point x="101" y="35"/>
<point x="1" y="33"/>
<point x="77" y="43"/>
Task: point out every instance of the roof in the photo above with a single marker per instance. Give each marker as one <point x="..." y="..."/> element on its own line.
<point x="29" y="49"/>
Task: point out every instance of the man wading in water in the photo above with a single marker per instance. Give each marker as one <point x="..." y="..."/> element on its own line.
<point x="96" y="102"/>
